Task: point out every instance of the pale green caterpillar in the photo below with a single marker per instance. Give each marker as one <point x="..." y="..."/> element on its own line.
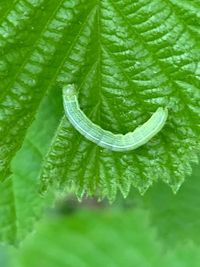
<point x="116" y="142"/>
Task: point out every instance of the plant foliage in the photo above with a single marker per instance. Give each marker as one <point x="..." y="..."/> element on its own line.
<point x="108" y="238"/>
<point x="127" y="58"/>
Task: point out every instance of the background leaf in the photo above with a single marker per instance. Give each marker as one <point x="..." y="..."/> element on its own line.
<point x="103" y="236"/>
<point x="177" y="217"/>
<point x="109" y="238"/>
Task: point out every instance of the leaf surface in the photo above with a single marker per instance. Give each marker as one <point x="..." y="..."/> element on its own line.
<point x="139" y="56"/>
<point x="20" y="203"/>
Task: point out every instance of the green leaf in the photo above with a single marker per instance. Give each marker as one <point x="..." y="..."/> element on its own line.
<point x="127" y="58"/>
<point x="20" y="203"/>
<point x="33" y="51"/>
<point x="108" y="238"/>
<point x="140" y="56"/>
<point x="92" y="239"/>
<point x="5" y="256"/>
<point x="176" y="216"/>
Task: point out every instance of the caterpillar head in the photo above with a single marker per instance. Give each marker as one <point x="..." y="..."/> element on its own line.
<point x="69" y="91"/>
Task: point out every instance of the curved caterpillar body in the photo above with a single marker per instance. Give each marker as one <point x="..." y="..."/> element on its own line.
<point x="106" y="139"/>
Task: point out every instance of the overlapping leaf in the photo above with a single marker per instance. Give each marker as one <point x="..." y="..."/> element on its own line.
<point x="20" y="203"/>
